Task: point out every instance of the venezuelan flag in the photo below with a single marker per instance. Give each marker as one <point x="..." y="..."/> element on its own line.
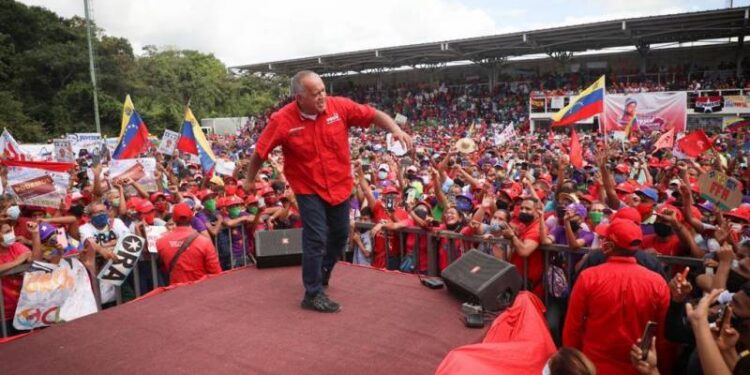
<point x="133" y="133"/>
<point x="193" y="141"/>
<point x="586" y="104"/>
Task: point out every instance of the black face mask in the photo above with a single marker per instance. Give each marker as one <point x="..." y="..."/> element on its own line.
<point x="560" y="212"/>
<point x="525" y="217"/>
<point x="421" y="213"/>
<point x="575" y="226"/>
<point x="662" y="230"/>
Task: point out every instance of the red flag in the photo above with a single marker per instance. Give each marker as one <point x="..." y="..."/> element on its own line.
<point x="694" y="144"/>
<point x="576" y="154"/>
<point x="665" y="141"/>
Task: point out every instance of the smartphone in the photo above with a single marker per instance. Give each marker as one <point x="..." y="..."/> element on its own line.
<point x="390" y="203"/>
<point x="648" y="333"/>
<point x="724" y="314"/>
<point x="96" y="159"/>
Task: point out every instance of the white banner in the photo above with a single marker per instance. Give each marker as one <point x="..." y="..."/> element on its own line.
<point x="46" y="298"/>
<point x="225" y="167"/>
<point x="153" y="233"/>
<point x="507" y="134"/>
<point x="64" y="151"/>
<point x="139" y="170"/>
<point x="128" y="250"/>
<point x="168" y="142"/>
<point x="38" y="187"/>
<point x="91" y="142"/>
<point x="400" y="119"/>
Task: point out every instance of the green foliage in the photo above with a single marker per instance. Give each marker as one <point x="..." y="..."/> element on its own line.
<point x="46" y="90"/>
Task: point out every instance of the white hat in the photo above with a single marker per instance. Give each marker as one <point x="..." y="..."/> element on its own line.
<point x="384" y="167"/>
<point x="466" y="146"/>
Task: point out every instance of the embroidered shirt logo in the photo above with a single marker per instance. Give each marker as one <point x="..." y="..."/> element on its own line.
<point x="333" y="118"/>
<point x="294" y="130"/>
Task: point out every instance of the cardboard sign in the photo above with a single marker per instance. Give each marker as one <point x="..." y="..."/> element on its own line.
<point x="64" y="151"/>
<point x="140" y="170"/>
<point x="723" y="191"/>
<point x="128" y="251"/>
<point x="38" y="187"/>
<point x="168" y="142"/>
<point x="153" y="233"/>
<point x="400" y="119"/>
<point x="225" y="167"/>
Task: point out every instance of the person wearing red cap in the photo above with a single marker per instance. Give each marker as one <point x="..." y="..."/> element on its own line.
<point x="197" y="258"/>
<point x="313" y="134"/>
<point x="670" y="236"/>
<point x="611" y="303"/>
<point x="388" y="214"/>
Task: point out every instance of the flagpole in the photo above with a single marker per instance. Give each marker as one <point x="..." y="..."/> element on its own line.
<point x="601" y="124"/>
<point x="91" y="65"/>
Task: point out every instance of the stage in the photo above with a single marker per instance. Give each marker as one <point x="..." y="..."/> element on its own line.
<point x="250" y="321"/>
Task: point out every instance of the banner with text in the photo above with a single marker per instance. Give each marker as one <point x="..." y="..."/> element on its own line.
<point x="38" y="187"/>
<point x="128" y="250"/>
<point x="138" y="170"/>
<point x="645" y="112"/>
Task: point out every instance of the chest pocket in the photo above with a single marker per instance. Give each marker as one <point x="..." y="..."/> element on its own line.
<point x="299" y="144"/>
<point x="335" y="135"/>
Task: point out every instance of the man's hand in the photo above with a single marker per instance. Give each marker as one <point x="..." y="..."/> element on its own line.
<point x="725" y="254"/>
<point x="108" y="254"/>
<point x="726" y="336"/>
<point x="648" y="366"/>
<point x="669" y="217"/>
<point x="680" y="288"/>
<point x="699" y="313"/>
<point x="404" y="138"/>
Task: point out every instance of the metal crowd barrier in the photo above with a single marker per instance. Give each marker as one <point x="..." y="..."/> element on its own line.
<point x="433" y="240"/>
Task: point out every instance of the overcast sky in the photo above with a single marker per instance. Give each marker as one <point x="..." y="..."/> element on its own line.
<point x="243" y="32"/>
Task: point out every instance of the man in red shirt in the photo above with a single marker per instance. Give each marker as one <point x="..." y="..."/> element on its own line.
<point x="611" y="303"/>
<point x="198" y="259"/>
<point x="313" y="134"/>
<point x="524" y="239"/>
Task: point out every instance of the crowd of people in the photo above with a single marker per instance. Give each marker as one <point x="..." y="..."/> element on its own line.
<point x="630" y="202"/>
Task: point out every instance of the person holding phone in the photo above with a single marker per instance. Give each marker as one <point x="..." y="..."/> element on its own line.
<point x="612" y="303"/>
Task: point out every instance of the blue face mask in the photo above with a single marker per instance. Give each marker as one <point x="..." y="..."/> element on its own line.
<point x="620" y="178"/>
<point x="100" y="220"/>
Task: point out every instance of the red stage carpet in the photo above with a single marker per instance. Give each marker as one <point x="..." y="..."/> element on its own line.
<point x="249" y="322"/>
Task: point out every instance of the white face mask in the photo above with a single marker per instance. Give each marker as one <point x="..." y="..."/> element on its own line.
<point x="9" y="239"/>
<point x="425" y="179"/>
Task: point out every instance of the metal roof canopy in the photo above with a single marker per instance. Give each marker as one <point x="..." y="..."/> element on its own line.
<point x="644" y="31"/>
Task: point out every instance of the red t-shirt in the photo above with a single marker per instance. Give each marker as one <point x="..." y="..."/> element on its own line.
<point x="197" y="261"/>
<point x="11" y="284"/>
<point x="535" y="260"/>
<point x="316" y="152"/>
<point x="379" y="214"/>
<point x="608" y="309"/>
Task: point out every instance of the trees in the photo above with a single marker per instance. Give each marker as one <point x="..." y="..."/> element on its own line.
<point x="45" y="87"/>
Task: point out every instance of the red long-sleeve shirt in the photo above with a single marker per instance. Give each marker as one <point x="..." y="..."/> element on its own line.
<point x="198" y="260"/>
<point x="608" y="310"/>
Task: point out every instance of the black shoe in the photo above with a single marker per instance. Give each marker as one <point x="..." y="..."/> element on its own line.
<point x="320" y="303"/>
<point x="326" y="277"/>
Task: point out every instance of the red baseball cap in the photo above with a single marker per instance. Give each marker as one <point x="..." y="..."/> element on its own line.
<point x="625" y="187"/>
<point x="390" y="190"/>
<point x="232" y="200"/>
<point x="628" y="213"/>
<point x="251" y="199"/>
<point x="205" y="194"/>
<point x="622" y="168"/>
<point x="624" y="233"/>
<point x="155" y="196"/>
<point x="144" y="206"/>
<point x="182" y="211"/>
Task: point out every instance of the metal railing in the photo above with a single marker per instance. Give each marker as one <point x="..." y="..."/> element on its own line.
<point x="433" y="239"/>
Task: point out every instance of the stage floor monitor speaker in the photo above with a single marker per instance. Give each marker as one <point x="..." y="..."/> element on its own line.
<point x="482" y="279"/>
<point x="277" y="248"/>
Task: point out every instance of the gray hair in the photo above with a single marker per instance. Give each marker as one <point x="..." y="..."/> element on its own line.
<point x="296" y="85"/>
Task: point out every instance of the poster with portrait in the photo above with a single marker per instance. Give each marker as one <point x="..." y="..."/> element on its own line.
<point x="139" y="170"/>
<point x="645" y="112"/>
<point x="64" y="151"/>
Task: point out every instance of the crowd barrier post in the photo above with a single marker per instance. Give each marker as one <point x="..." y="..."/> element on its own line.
<point x="4" y="329"/>
<point x="154" y="271"/>
<point x="432" y="255"/>
<point x="244" y="247"/>
<point x="231" y="249"/>
<point x="544" y="277"/>
<point x="136" y="275"/>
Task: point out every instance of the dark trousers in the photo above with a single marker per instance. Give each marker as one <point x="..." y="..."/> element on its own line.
<point x="325" y="231"/>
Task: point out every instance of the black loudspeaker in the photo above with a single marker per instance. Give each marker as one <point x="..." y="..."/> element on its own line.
<point x="483" y="279"/>
<point x="280" y="247"/>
